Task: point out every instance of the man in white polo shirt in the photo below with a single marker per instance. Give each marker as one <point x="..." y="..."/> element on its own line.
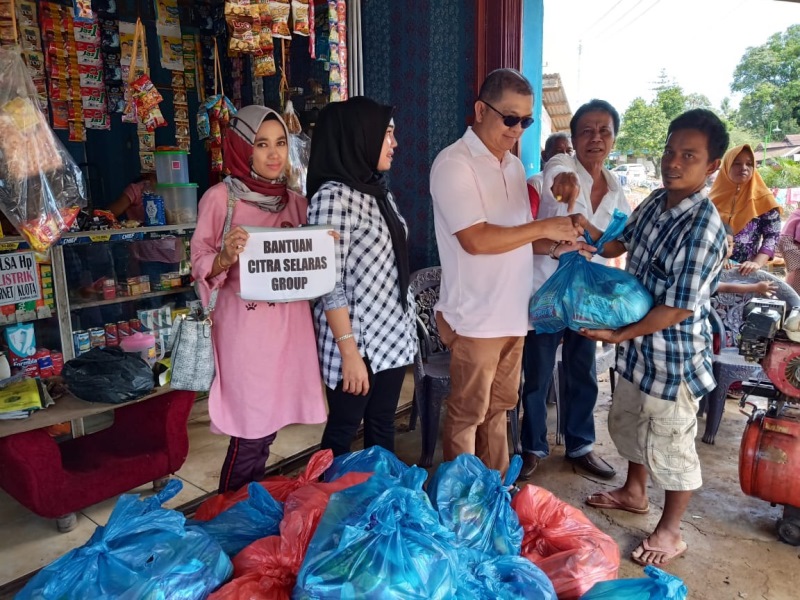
<point x="484" y="231"/>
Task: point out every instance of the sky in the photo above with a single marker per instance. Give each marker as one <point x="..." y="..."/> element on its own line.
<point x="625" y="44"/>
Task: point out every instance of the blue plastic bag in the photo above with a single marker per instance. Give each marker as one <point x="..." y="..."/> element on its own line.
<point x="583" y="294"/>
<point x="380" y="539"/>
<point x="475" y="504"/>
<point x="257" y="517"/>
<point x="658" y="585"/>
<point x="374" y="459"/>
<point x="501" y="578"/>
<point x="144" y="551"/>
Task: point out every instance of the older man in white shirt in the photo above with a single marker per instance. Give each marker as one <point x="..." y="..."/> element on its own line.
<point x="571" y="184"/>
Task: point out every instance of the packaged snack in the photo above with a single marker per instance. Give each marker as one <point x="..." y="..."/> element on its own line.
<point x="90" y="76"/>
<point x="109" y="34"/>
<point x="216" y="159"/>
<point x="96" y="119"/>
<point x="300" y="17"/>
<point x="26" y="13"/>
<point x="88" y="54"/>
<point x="30" y="38"/>
<point x="264" y="65"/>
<point x="83" y="10"/>
<point x="147" y="162"/>
<point x="87" y="32"/>
<point x="147" y="141"/>
<point x="34" y="59"/>
<point x="242" y="39"/>
<point x="279" y="10"/>
<point x="93" y="98"/>
<point x="60" y="114"/>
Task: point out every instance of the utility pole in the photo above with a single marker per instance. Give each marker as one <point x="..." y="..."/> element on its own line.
<point x="580" y="53"/>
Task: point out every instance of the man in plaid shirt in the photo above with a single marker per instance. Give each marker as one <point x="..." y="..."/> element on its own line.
<point x="676" y="246"/>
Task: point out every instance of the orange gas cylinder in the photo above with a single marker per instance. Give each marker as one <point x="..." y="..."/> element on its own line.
<point x="769" y="459"/>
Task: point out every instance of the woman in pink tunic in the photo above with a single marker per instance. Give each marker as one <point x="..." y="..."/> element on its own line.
<point x="265" y="354"/>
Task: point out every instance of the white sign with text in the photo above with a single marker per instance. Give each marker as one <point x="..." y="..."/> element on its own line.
<point x="19" y="280"/>
<point x="285" y="265"/>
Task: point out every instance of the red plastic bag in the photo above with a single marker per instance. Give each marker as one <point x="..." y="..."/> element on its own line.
<point x="278" y="486"/>
<point x="564" y="543"/>
<point x="267" y="569"/>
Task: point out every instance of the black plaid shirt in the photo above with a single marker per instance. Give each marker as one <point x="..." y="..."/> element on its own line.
<point x="677" y="254"/>
<point x="366" y="276"/>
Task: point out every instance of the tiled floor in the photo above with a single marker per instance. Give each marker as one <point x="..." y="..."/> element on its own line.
<point x="724" y="528"/>
<point x="29" y="542"/>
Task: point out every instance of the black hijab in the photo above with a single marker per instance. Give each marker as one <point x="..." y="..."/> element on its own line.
<point x="345" y="147"/>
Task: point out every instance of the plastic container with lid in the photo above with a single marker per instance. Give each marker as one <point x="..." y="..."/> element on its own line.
<point x="143" y="344"/>
<point x="172" y="166"/>
<point x="180" y="202"/>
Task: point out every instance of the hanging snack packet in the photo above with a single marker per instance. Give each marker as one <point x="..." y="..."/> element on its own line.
<point x="280" y="9"/>
<point x="146" y="98"/>
<point x="300" y="17"/>
<point x="264" y="65"/>
<point x="41" y="182"/>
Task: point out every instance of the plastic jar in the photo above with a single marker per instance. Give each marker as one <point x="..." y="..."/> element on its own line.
<point x="180" y="202"/>
<point x="142" y="344"/>
<point x="172" y="166"/>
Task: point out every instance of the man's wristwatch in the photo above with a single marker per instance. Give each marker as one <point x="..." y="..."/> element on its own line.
<point x="551" y="252"/>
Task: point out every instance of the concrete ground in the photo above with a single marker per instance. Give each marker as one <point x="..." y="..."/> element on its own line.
<point x="734" y="552"/>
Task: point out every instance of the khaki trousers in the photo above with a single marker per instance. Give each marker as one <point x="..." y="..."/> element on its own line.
<point x="484" y="385"/>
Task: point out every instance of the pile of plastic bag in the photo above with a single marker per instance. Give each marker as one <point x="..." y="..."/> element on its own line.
<point x="369" y="531"/>
<point x="144" y="551"/>
<point x="564" y="543"/>
<point x="255" y="517"/>
<point x="583" y="294"/>
<point x="658" y="585"/>
<point x="380" y="539"/>
<point x="279" y="487"/>
<point x="474" y="503"/>
<point x="268" y="567"/>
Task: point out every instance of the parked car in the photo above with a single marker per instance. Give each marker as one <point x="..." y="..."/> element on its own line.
<point x="631" y="174"/>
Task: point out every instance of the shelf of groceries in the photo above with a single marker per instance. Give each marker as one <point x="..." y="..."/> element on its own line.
<point x="106" y="288"/>
<point x="130" y="234"/>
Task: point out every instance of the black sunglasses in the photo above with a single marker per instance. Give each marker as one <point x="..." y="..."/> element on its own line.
<point x="511" y="121"/>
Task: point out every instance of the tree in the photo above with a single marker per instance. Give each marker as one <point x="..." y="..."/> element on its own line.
<point x="769" y="77"/>
<point x="782" y="173"/>
<point x="697" y="101"/>
<point x="727" y="111"/>
<point x="643" y="131"/>
<point x="671" y="101"/>
<point x="739" y="135"/>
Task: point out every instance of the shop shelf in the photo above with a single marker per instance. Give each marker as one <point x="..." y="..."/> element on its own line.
<point x="122" y="235"/>
<point x="78" y="304"/>
<point x="44" y="312"/>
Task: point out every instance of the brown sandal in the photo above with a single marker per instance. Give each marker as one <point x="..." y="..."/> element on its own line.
<point x="606" y="500"/>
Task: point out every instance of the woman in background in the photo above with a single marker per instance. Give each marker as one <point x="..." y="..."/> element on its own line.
<point x="789" y="248"/>
<point x="746" y="204"/>
<point x="366" y="331"/>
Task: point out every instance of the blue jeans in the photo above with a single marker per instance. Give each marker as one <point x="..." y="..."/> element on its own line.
<point x="580" y="393"/>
